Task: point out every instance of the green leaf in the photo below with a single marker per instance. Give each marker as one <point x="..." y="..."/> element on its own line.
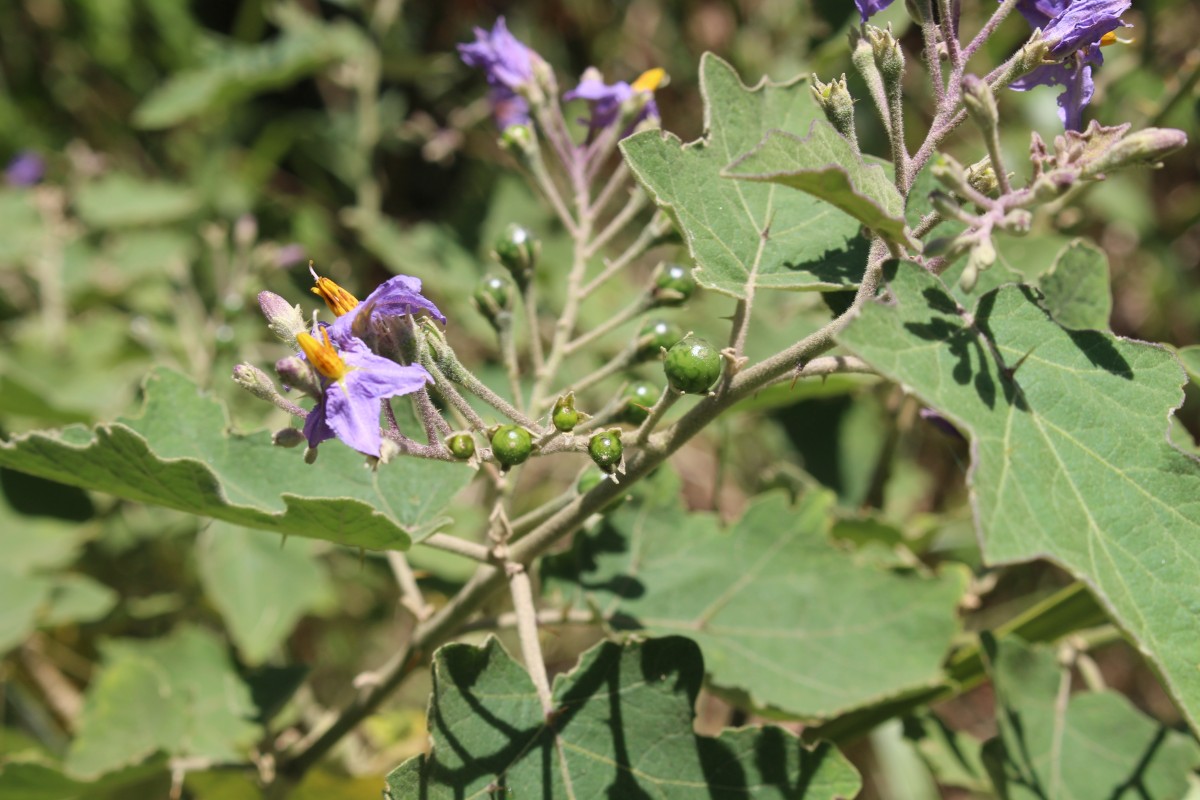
<point x="120" y="200"/>
<point x="1070" y="458"/>
<point x="21" y="596"/>
<point x="622" y="728"/>
<point x="1076" y="288"/>
<point x="260" y="585"/>
<point x="1190" y="357"/>
<point x="1091" y="744"/>
<point x="34" y="780"/>
<point x="76" y="599"/>
<point x="180" y="454"/>
<point x="799" y="626"/>
<point x="239" y="72"/>
<point x="178" y="695"/>
<point x="808" y="244"/>
<point x="827" y="166"/>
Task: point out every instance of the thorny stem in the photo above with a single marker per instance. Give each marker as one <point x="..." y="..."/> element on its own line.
<point x="451" y="395"/>
<point x="527" y="630"/>
<point x="929" y="31"/>
<point x="950" y="35"/>
<point x="636" y="202"/>
<point x="456" y="372"/>
<point x="508" y="352"/>
<point x="435" y="426"/>
<point x="410" y="594"/>
<point x="621" y="361"/>
<point x="615" y="182"/>
<point x="657" y="412"/>
<point x="448" y="619"/>
<point x="631" y="311"/>
<point x="529" y="299"/>
<point x="658" y="225"/>
<point x="460" y="547"/>
<point x="989" y="27"/>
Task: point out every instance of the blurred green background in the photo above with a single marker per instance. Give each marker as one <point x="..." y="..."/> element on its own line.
<point x="197" y="153"/>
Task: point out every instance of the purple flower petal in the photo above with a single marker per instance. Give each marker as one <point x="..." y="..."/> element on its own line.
<point x="503" y="58"/>
<point x="509" y="108"/>
<point x="604" y="99"/>
<point x="1083" y="23"/>
<point x="26" y="169"/>
<point x="316" y="429"/>
<point x="395" y="297"/>
<point x="868" y="7"/>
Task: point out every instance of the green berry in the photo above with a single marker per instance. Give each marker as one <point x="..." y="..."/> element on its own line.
<point x="564" y="416"/>
<point x="673" y="285"/>
<point x="605" y="449"/>
<point x="692" y="366"/>
<point x="511" y="445"/>
<point x="656" y="335"/>
<point x="638" y="398"/>
<point x="462" y="445"/>
<point x="517" y="249"/>
<point x="493" y="297"/>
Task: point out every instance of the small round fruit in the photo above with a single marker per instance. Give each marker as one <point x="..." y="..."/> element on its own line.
<point x="493" y="294"/>
<point x="462" y="445"/>
<point x="656" y="335"/>
<point x="511" y="445"/>
<point x="674" y="285"/>
<point x="639" y="397"/>
<point x="605" y="449"/>
<point x="518" y="249"/>
<point x="692" y="366"/>
<point x="564" y="416"/>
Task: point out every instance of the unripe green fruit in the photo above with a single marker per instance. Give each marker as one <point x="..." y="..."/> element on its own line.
<point x="656" y="335"/>
<point x="564" y="416"/>
<point x="638" y="398"/>
<point x="462" y="445"/>
<point x="692" y="366"/>
<point x="673" y="286"/>
<point x="605" y="449"/>
<point x="493" y="296"/>
<point x="518" y="249"/>
<point x="511" y="445"/>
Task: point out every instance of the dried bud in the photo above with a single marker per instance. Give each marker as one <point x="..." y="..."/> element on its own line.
<point x="295" y="372"/>
<point x="837" y="104"/>
<point x="284" y="319"/>
<point x="288" y="437"/>
<point x="981" y="176"/>
<point x="255" y="381"/>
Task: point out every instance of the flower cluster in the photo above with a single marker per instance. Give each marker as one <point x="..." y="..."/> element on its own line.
<point x="509" y="68"/>
<point x="352" y="380"/>
<point x="1073" y="30"/>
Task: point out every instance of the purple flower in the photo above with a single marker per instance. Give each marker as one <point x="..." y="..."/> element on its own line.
<point x="506" y="62"/>
<point x="354" y="382"/>
<point x="1073" y="29"/>
<point x="869" y="7"/>
<point x="606" y="100"/>
<point x="26" y="169"/>
<point x="395" y="297"/>
<point x="508" y="108"/>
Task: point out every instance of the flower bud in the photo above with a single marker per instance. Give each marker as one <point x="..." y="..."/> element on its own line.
<point x="673" y="285"/>
<point x="981" y="176"/>
<point x="982" y="256"/>
<point x="310" y="455"/>
<point x="288" y="437"/>
<point x="1017" y="221"/>
<point x="980" y="102"/>
<point x="255" y="381"/>
<point x="564" y="416"/>
<point x="284" y="319"/>
<point x="296" y="372"/>
<point x="889" y="58"/>
<point x="518" y="249"/>
<point x="837" y="104"/>
<point x="1141" y="148"/>
<point x="519" y="141"/>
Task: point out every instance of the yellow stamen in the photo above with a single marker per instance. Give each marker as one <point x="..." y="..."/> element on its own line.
<point x="338" y="299"/>
<point x="1108" y="38"/>
<point x="322" y="356"/>
<point x="650" y="80"/>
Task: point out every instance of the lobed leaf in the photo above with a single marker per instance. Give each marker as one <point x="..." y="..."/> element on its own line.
<point x="745" y="236"/>
<point x="622" y="727"/>
<point x="781" y="615"/>
<point x="825" y="165"/>
<point x="180" y="454"/>
<point x="1070" y="456"/>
